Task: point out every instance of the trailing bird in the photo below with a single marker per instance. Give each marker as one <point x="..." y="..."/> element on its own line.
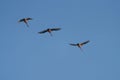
<point x="25" y="20"/>
<point x="49" y="30"/>
<point x="80" y="44"/>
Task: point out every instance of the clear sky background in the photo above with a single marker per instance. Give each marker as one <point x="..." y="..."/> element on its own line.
<point x="27" y="55"/>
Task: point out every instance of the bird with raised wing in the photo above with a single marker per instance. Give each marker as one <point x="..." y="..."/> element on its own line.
<point x="80" y="44"/>
<point x="25" y="20"/>
<point x="49" y="30"/>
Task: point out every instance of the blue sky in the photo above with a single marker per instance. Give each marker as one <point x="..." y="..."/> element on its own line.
<point x="27" y="55"/>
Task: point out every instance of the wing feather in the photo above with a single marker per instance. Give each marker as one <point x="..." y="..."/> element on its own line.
<point x="73" y="44"/>
<point x="21" y="20"/>
<point x="29" y="18"/>
<point x="85" y="42"/>
<point x="55" y="29"/>
<point x="42" y="31"/>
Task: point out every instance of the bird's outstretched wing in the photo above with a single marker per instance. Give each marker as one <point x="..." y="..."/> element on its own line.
<point x="73" y="44"/>
<point x="21" y="20"/>
<point x="29" y="18"/>
<point x="42" y="31"/>
<point x="85" y="42"/>
<point x="55" y="29"/>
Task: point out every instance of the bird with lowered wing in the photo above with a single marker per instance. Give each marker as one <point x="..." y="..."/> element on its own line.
<point x="49" y="30"/>
<point x="80" y="44"/>
<point x="25" y="20"/>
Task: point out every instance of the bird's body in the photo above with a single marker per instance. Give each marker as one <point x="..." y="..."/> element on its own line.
<point x="49" y="30"/>
<point x="25" y="20"/>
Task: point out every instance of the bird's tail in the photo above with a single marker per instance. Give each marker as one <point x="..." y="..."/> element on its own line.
<point x="27" y="24"/>
<point x="81" y="49"/>
<point x="50" y="34"/>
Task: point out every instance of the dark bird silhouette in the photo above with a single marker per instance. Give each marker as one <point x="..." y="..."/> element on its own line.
<point x="80" y="44"/>
<point x="49" y="30"/>
<point x="25" y="20"/>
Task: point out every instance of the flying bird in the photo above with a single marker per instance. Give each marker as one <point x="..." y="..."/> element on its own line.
<point x="49" y="30"/>
<point x="80" y="44"/>
<point x="25" y="20"/>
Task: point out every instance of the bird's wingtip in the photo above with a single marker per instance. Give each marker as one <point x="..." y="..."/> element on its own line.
<point x="88" y="40"/>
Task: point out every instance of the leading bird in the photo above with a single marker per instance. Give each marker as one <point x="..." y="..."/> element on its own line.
<point x="80" y="44"/>
<point x="49" y="30"/>
<point x="25" y="20"/>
